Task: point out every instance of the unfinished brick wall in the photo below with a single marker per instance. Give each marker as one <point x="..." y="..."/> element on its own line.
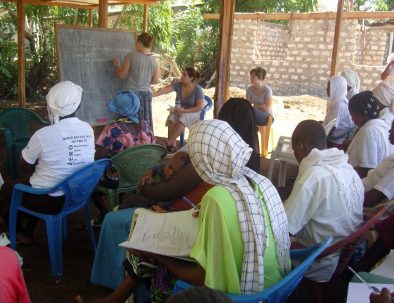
<point x="297" y="56"/>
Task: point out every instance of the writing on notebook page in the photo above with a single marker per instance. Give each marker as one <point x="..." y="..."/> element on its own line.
<point x="170" y="234"/>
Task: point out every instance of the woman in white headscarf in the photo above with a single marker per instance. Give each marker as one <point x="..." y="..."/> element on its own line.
<point x="242" y="245"/>
<point x="385" y="89"/>
<point x="53" y="153"/>
<point x="337" y="108"/>
<point x="353" y="82"/>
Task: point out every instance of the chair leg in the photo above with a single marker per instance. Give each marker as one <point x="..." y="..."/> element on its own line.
<point x="113" y="198"/>
<point x="12" y="226"/>
<point x="55" y="245"/>
<point x="89" y="227"/>
<point x="64" y="227"/>
<point x="282" y="174"/>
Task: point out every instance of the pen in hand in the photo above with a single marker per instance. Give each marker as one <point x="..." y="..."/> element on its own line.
<point x="371" y="287"/>
<point x="188" y="201"/>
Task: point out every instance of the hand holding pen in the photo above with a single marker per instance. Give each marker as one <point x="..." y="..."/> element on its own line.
<point x="383" y="297"/>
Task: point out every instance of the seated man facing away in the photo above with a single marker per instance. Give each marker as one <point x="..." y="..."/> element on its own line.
<point x="327" y="197"/>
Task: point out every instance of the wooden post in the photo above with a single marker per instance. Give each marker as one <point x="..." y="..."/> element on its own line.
<point x="227" y="8"/>
<point x="103" y="13"/>
<point x="21" y="53"/>
<point x="90" y="18"/>
<point x="145" y="25"/>
<point x="335" y="48"/>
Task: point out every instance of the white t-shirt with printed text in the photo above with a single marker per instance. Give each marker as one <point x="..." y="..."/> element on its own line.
<point x="60" y="149"/>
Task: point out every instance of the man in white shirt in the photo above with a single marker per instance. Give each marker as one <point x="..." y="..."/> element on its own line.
<point x="53" y="153"/>
<point x="327" y="197"/>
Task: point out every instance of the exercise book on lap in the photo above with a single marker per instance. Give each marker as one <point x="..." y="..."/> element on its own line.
<point x="359" y="292"/>
<point x="170" y="234"/>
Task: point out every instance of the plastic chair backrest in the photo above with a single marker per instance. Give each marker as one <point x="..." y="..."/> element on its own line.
<point x="80" y="185"/>
<point x="132" y="163"/>
<point x="357" y="234"/>
<point x="279" y="292"/>
<point x="206" y="108"/>
<point x="18" y="121"/>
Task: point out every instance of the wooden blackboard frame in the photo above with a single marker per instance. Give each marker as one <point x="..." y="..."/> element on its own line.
<point x="87" y="101"/>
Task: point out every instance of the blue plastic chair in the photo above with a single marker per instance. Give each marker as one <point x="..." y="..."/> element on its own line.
<point x="279" y="292"/>
<point x="77" y="189"/>
<point x="206" y="108"/>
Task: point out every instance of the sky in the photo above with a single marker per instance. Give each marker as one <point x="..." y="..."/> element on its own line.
<point x="328" y="5"/>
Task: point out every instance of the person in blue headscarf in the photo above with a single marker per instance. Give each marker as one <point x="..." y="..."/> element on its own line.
<point x="124" y="133"/>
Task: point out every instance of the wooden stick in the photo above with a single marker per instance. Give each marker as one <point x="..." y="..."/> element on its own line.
<point x="21" y="53"/>
<point x="306" y="16"/>
<point x="227" y="8"/>
<point x="335" y="48"/>
<point x="145" y="22"/>
<point x="103" y="13"/>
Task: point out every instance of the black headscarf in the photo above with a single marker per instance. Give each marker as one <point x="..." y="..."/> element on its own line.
<point x="239" y="113"/>
<point x="366" y="104"/>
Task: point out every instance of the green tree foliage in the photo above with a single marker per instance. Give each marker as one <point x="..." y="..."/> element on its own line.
<point x="159" y="22"/>
<point x="376" y="5"/>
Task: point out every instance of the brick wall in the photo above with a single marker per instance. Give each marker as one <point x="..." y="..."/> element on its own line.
<point x="297" y="56"/>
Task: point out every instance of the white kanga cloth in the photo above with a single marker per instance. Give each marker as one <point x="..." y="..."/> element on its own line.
<point x="327" y="200"/>
<point x="63" y="99"/>
<point x="337" y="108"/>
<point x="60" y="149"/>
<point x="385" y="93"/>
<point x="370" y="145"/>
<point x="353" y="81"/>
<point x="219" y="156"/>
<point x="381" y="178"/>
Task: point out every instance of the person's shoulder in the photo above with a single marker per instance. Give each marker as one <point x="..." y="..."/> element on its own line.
<point x="219" y="193"/>
<point x="267" y="89"/>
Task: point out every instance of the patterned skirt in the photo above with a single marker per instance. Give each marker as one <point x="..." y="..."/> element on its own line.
<point x="161" y="281"/>
<point x="146" y="106"/>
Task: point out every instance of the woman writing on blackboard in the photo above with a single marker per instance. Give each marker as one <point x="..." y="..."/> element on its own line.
<point x="188" y="105"/>
<point x="141" y="70"/>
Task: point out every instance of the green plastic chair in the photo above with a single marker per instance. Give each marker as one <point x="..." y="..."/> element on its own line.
<point x="15" y="126"/>
<point x="131" y="165"/>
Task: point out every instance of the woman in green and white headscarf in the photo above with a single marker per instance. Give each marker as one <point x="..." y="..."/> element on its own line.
<point x="243" y="243"/>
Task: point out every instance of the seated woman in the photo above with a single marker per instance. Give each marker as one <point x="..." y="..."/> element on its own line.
<point x="384" y="91"/>
<point x="238" y="112"/>
<point x="259" y="95"/>
<point x="107" y="266"/>
<point x="337" y="108"/>
<point x="370" y="145"/>
<point x="241" y="217"/>
<point x="188" y="105"/>
<point x="126" y="132"/>
<point x="379" y="185"/>
<point x="353" y="82"/>
<point x="51" y="156"/>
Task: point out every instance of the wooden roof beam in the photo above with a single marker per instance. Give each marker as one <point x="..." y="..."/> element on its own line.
<point x="306" y="16"/>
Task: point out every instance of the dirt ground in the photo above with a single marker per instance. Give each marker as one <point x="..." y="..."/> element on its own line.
<point x="77" y="256"/>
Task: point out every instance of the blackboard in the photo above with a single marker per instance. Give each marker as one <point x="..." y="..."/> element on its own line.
<point x="84" y="56"/>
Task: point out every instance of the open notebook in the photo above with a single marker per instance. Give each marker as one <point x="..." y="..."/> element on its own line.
<point x="170" y="234"/>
